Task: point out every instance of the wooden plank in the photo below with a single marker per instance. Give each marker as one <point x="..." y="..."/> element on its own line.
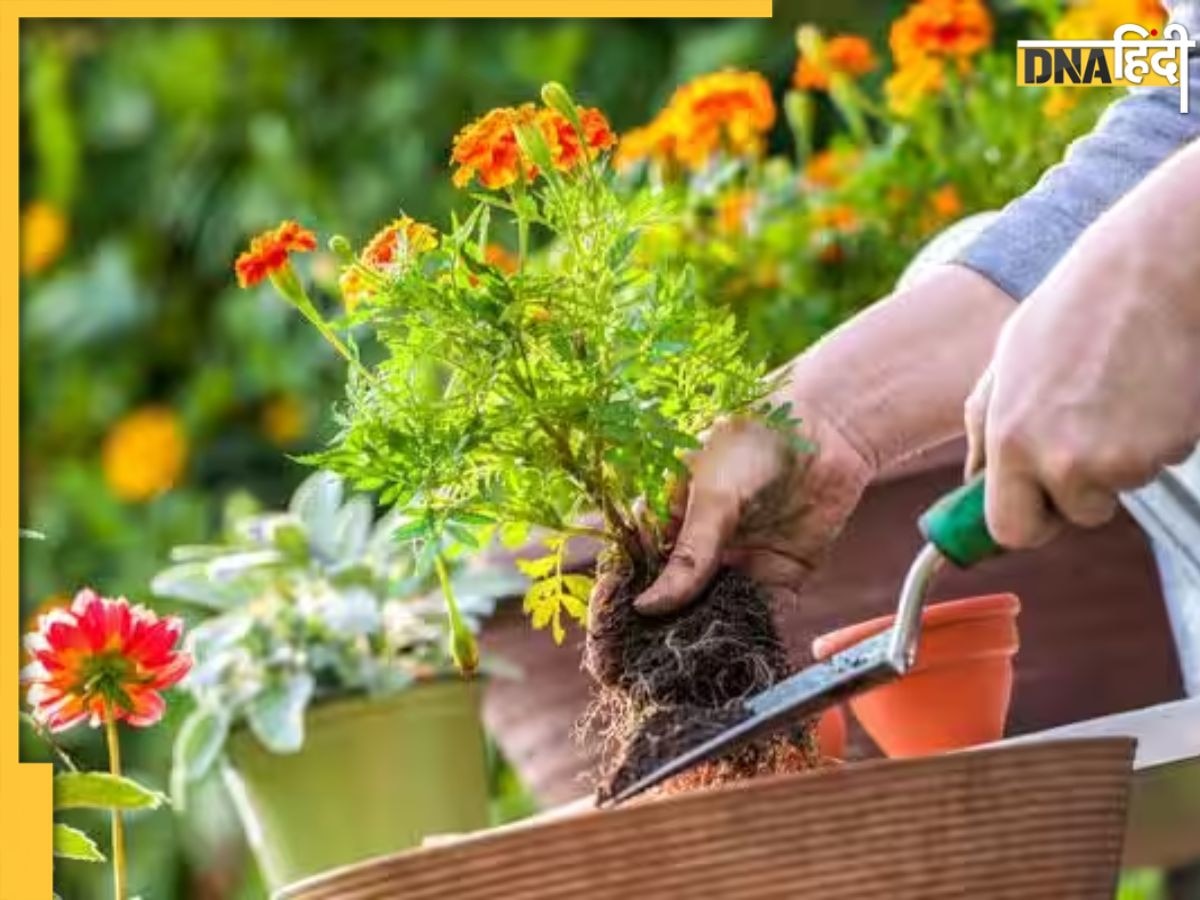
<point x="1044" y="820"/>
<point x="1163" y="828"/>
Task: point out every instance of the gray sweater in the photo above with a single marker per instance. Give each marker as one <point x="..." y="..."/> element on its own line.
<point x="1135" y="134"/>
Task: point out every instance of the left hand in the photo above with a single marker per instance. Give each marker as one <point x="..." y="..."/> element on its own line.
<point x="1094" y="386"/>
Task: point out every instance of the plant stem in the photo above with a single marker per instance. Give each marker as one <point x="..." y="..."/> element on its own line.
<point x="118" y="826"/>
<point x="462" y="643"/>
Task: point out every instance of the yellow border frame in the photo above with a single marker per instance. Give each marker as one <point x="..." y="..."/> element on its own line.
<point x="25" y="814"/>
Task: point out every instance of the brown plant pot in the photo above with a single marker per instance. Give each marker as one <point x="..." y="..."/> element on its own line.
<point x="1007" y="823"/>
<point x="957" y="693"/>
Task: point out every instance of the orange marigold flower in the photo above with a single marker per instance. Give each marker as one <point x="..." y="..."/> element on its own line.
<point x="567" y="150"/>
<point x="487" y="149"/>
<point x="956" y="29"/>
<point x="268" y="252"/>
<point x="729" y="110"/>
<point x="843" y="54"/>
<point x="829" y="168"/>
<point x="400" y="240"/>
<point x="840" y="217"/>
<point x="102" y="659"/>
<point x="733" y="211"/>
<point x="498" y="256"/>
<point x="945" y="202"/>
<point x="912" y="83"/>
<point x="655" y="141"/>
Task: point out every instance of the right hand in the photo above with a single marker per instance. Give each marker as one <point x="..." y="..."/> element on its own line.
<point x="753" y="503"/>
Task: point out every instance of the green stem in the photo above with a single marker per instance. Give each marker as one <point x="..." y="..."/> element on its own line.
<point x="463" y="648"/>
<point x="290" y="288"/>
<point x="118" y="826"/>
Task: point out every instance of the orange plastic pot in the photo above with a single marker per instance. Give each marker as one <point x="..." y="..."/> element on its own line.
<point x="958" y="692"/>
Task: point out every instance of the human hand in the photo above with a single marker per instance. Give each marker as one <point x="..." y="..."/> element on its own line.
<point x="752" y="502"/>
<point x="1093" y="386"/>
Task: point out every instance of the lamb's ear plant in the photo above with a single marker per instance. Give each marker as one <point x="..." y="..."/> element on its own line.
<point x="315" y="602"/>
<point x="511" y="399"/>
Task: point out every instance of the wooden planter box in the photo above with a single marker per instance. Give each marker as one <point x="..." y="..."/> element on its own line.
<point x="1095" y="638"/>
<point x="1044" y="820"/>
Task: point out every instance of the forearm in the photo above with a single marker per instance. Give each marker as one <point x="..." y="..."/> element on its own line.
<point x="893" y="379"/>
<point x="1152" y="238"/>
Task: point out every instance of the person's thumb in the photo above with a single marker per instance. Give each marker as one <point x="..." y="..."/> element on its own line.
<point x="709" y="523"/>
<point x="975" y="412"/>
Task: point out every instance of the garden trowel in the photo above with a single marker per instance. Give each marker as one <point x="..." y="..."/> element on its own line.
<point x="955" y="531"/>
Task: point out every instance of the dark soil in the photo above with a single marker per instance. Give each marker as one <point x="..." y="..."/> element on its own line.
<point x="665" y="684"/>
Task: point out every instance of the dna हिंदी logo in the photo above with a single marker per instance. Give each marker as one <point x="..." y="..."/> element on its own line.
<point x="1134" y="57"/>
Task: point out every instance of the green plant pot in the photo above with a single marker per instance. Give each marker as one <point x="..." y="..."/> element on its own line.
<point x="374" y="776"/>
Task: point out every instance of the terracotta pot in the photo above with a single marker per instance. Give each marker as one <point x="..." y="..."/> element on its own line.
<point x="831" y="733"/>
<point x="957" y="694"/>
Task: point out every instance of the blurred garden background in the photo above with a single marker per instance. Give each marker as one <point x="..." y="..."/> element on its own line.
<point x="155" y="395"/>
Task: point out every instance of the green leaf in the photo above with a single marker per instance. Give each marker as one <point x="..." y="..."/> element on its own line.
<point x="190" y="583"/>
<point x="100" y="790"/>
<point x="276" y="715"/>
<point x="352" y="527"/>
<point x="514" y="534"/>
<point x="539" y="568"/>
<point x="197" y="748"/>
<point x="71" y="843"/>
<point x="316" y="504"/>
<point x="417" y="528"/>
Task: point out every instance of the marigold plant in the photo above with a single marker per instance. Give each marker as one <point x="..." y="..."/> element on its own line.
<point x="563" y="385"/>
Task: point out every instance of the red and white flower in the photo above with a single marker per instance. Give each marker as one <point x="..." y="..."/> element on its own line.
<point x="102" y="658"/>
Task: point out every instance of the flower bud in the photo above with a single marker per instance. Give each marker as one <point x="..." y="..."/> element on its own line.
<point x="463" y="648"/>
<point x="533" y="144"/>
<point x="340" y="247"/>
<point x="555" y="96"/>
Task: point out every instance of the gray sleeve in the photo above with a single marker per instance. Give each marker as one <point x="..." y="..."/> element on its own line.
<point x="1032" y="233"/>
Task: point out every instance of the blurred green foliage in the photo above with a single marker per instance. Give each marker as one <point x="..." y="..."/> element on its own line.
<point x="151" y="150"/>
<point x="157" y="148"/>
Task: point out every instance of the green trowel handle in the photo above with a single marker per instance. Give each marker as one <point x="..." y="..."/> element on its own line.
<point x="957" y="526"/>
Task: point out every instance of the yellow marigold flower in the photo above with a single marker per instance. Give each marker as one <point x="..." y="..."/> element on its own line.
<point x="843" y="54"/>
<point x="829" y="168"/>
<point x="1091" y="20"/>
<point x="912" y="83"/>
<point x="354" y="288"/>
<point x="948" y="29"/>
<point x="284" y="420"/>
<point x="400" y="240"/>
<point x="1058" y="103"/>
<point x="945" y="203"/>
<point x="729" y="110"/>
<point x="733" y="211"/>
<point x="43" y="236"/>
<point x="144" y="454"/>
